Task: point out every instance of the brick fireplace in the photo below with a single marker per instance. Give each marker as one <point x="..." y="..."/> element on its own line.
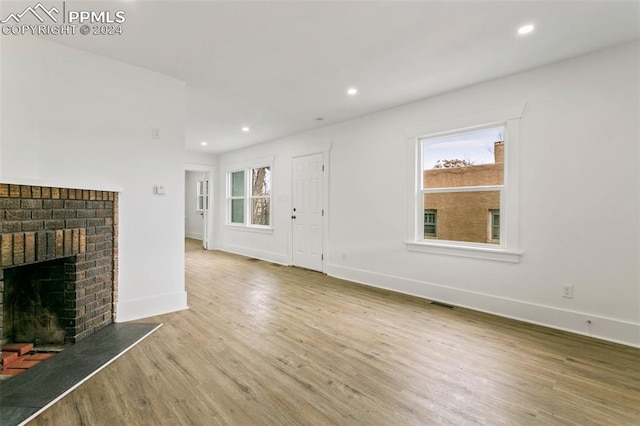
<point x="58" y="262"/>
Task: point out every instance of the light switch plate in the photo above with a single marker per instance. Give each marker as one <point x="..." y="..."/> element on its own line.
<point x="159" y="190"/>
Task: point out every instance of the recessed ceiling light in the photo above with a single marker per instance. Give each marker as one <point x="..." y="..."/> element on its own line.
<point x="203" y="143"/>
<point x="352" y="91"/>
<point x="526" y="29"/>
<point x="245" y="129"/>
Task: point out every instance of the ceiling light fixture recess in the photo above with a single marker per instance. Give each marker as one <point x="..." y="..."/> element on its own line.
<point x="352" y="91"/>
<point x="245" y="129"/>
<point x="203" y="143"/>
<point x="526" y="29"/>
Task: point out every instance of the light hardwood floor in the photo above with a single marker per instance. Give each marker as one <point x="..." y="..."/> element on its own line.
<point x="272" y="345"/>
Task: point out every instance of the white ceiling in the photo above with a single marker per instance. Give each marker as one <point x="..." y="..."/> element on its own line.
<point x="277" y="66"/>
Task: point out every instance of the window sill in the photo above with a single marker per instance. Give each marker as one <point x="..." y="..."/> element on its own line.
<point x="245" y="228"/>
<point x="486" y="253"/>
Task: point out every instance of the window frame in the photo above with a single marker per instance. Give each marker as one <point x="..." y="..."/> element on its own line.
<point x="231" y="198"/>
<point x="508" y="249"/>
<point x="248" y="198"/>
<point x="256" y="197"/>
<point x="455" y="189"/>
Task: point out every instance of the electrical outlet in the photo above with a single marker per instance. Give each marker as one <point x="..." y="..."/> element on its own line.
<point x="344" y="256"/>
<point x="567" y="291"/>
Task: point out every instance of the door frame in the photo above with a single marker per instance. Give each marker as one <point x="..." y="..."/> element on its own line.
<point x="318" y="148"/>
<point x="211" y="224"/>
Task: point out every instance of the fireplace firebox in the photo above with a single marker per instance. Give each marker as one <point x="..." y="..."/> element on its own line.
<point x="58" y="263"/>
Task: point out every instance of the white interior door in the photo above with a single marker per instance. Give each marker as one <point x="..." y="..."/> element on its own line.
<point x="202" y="206"/>
<point x="307" y="211"/>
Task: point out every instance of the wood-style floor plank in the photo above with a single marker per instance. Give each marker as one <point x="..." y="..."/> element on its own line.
<point x="264" y="344"/>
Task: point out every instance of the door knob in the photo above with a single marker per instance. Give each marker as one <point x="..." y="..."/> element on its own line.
<point x="293" y="217"/>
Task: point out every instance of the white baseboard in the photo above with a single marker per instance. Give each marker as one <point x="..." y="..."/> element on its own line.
<point x="129" y="310"/>
<point x="258" y="254"/>
<point x="610" y="329"/>
<point x="193" y="235"/>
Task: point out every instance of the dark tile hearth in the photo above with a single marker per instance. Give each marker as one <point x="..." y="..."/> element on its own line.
<point x="19" y="400"/>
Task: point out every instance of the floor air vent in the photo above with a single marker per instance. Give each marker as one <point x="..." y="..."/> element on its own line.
<point x="443" y="305"/>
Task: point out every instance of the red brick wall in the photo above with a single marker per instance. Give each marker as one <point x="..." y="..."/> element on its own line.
<point x="44" y="223"/>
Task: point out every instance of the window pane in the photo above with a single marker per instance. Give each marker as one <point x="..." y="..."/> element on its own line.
<point x="260" y="211"/>
<point x="495" y="224"/>
<point x="200" y="194"/>
<point x="261" y="181"/>
<point x="237" y="211"/>
<point x="462" y="216"/>
<point x="430" y="223"/>
<point x="237" y="184"/>
<point x="472" y="159"/>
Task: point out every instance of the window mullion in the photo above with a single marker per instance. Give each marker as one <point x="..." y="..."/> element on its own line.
<point x="463" y="189"/>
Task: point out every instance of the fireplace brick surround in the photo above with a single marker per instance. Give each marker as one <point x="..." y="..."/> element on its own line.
<point x="39" y="223"/>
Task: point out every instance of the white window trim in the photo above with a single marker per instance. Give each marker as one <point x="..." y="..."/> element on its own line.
<point x="247" y="225"/>
<point x="509" y="249"/>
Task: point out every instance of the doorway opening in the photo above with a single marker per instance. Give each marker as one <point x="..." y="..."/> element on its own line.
<point x="198" y="204"/>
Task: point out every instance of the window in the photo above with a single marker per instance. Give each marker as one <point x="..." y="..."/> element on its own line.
<point x="202" y="198"/>
<point x="260" y="196"/>
<point x="462" y="179"/>
<point x="494" y="220"/>
<point x="249" y="197"/>
<point x="430" y="223"/>
<point x="466" y="185"/>
<point x="236" y="197"/>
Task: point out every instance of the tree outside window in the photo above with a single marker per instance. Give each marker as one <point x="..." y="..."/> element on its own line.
<point x="261" y="196"/>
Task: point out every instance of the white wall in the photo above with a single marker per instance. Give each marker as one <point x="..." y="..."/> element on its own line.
<point x="579" y="199"/>
<point x="193" y="221"/>
<point x="73" y="119"/>
<point x="200" y="158"/>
